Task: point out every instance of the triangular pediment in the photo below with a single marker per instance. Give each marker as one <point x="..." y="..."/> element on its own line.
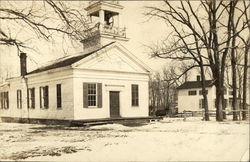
<point x="114" y="58"/>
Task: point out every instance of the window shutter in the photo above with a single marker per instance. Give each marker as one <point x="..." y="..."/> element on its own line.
<point x="17" y="99"/>
<point x="28" y="96"/>
<point x="46" y="97"/>
<point x="33" y="98"/>
<point x="99" y="93"/>
<point x="21" y="102"/>
<point x="85" y="95"/>
<point x="0" y="100"/>
<point x="58" y="96"/>
<point x="7" y="99"/>
<point x="40" y="92"/>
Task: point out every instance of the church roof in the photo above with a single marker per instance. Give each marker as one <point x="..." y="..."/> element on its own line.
<point x="68" y="61"/>
<point x="195" y="84"/>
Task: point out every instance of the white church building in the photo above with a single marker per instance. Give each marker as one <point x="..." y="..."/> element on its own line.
<point x="105" y="81"/>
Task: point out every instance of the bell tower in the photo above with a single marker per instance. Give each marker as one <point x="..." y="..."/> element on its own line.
<point x="106" y="26"/>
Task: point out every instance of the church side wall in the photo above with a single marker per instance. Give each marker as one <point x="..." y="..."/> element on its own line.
<point x="50" y="79"/>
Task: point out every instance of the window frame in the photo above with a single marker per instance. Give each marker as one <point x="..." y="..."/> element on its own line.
<point x="225" y="91"/>
<point x="19" y="98"/>
<point x="96" y="95"/>
<point x="200" y="92"/>
<point x="135" y="95"/>
<point x="6" y="100"/>
<point x="190" y="93"/>
<point x="201" y="103"/>
<point x="44" y="99"/>
<point x="31" y="99"/>
<point x="226" y="103"/>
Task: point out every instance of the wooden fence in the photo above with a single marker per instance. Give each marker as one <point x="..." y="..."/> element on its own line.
<point x="212" y="113"/>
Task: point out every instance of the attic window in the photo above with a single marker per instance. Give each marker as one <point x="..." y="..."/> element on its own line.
<point x="192" y="93"/>
<point x="200" y="92"/>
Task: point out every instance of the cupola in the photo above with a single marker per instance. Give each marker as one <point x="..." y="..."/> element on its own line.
<point x="106" y="25"/>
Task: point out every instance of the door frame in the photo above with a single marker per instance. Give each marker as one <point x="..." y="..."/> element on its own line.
<point x="119" y="92"/>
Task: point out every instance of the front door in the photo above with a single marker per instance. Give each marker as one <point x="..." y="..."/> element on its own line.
<point x="114" y="101"/>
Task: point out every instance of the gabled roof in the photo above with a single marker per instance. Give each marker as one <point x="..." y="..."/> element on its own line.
<point x="123" y="50"/>
<point x="68" y="61"/>
<point x="195" y="84"/>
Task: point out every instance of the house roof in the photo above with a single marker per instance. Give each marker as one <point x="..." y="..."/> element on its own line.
<point x="195" y="84"/>
<point x="68" y="61"/>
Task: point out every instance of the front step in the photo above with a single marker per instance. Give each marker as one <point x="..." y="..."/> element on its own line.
<point x="80" y="123"/>
<point x="88" y="124"/>
<point x="125" y="121"/>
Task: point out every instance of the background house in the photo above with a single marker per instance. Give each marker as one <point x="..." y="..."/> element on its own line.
<point x="190" y="96"/>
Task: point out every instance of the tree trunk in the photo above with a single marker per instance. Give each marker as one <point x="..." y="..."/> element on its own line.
<point x="204" y="93"/>
<point x="234" y="84"/>
<point x="218" y="102"/>
<point x="239" y="100"/>
<point x="234" y="70"/>
<point x="223" y="105"/>
<point x="217" y="71"/>
<point x="245" y="83"/>
<point x="222" y="92"/>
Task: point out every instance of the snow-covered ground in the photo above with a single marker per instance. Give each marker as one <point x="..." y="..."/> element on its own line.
<point x="167" y="140"/>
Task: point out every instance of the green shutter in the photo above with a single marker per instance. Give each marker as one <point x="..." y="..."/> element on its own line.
<point x="99" y="93"/>
<point x="85" y="95"/>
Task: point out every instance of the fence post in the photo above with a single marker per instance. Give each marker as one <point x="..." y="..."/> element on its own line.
<point x="184" y="113"/>
<point x="240" y="114"/>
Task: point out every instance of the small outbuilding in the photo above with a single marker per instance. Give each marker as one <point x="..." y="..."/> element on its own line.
<point x="190" y="96"/>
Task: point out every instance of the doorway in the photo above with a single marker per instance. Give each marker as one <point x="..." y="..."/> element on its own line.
<point x="114" y="101"/>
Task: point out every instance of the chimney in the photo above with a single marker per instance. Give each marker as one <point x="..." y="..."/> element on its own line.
<point x="198" y="78"/>
<point x="23" y="66"/>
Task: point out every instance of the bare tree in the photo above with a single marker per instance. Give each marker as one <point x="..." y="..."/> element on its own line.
<point x="41" y="19"/>
<point x="240" y="75"/>
<point x="246" y="46"/>
<point x="202" y="32"/>
<point x="245" y="77"/>
<point x="233" y="58"/>
<point x="163" y="90"/>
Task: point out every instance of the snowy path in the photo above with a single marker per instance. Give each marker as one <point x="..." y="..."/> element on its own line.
<point x="168" y="140"/>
